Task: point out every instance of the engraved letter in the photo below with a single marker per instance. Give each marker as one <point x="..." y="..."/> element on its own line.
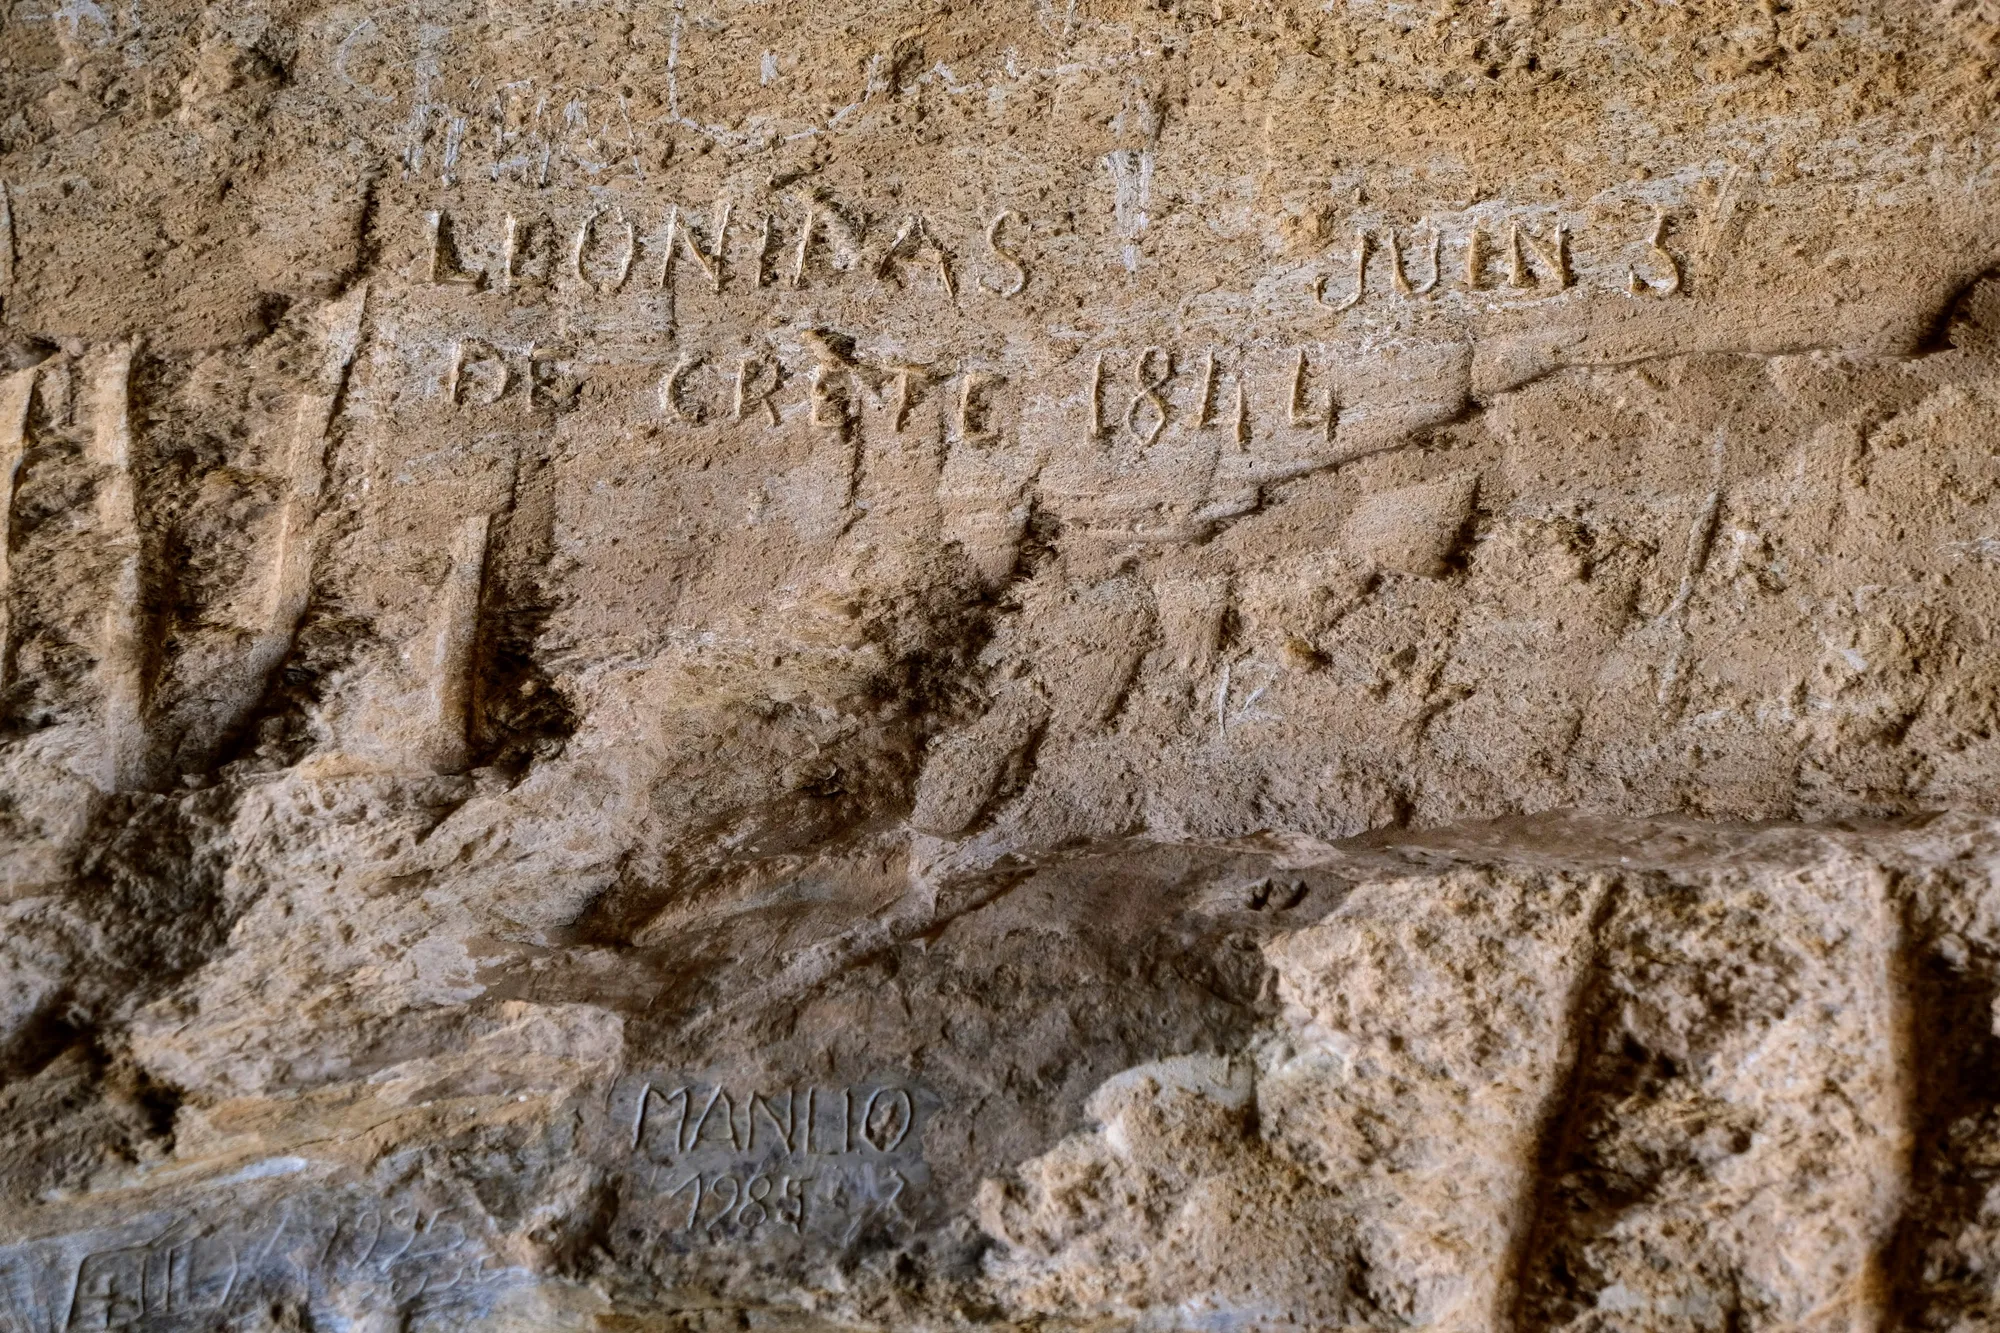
<point x="1096" y="404"/>
<point x="906" y="378"/>
<point x="747" y="371"/>
<point x="694" y="1206"/>
<point x="542" y="390"/>
<point x="735" y="1193"/>
<point x="646" y="1096"/>
<point x="441" y="266"/>
<point x="1552" y="255"/>
<point x="670" y="391"/>
<point x="1005" y="256"/>
<point x="467" y="354"/>
<point x="759" y="1102"/>
<point x="973" y="413"/>
<point x="764" y="252"/>
<point x="1149" y="392"/>
<point x="883" y="1133"/>
<point x="515" y="237"/>
<point x="1360" y="278"/>
<point x="1295" y="411"/>
<point x="826" y="395"/>
<point x="805" y="244"/>
<point x="728" y="1115"/>
<point x="1655" y="242"/>
<point x="110" y="1290"/>
<point x="1399" y="279"/>
<point x="710" y="261"/>
<point x="911" y="239"/>
<point x="794" y="1191"/>
<point x="1475" y="260"/>
<point x="620" y="271"/>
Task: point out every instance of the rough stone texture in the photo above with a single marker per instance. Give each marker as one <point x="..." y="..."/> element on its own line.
<point x="1230" y="665"/>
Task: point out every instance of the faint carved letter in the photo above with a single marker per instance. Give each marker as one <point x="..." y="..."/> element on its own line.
<point x="1552" y="255"/>
<point x="441" y="266"/>
<point x="1360" y="278"/>
<point x="710" y="261"/>
<point x="670" y="391"/>
<point x="1399" y="279"/>
<point x="1475" y="260"/>
<point x="467" y="356"/>
<point x="1095" y="406"/>
<point x="1150" y="382"/>
<point x="973" y="412"/>
<point x="620" y="271"/>
<point x="1005" y="256"/>
<point x="805" y="246"/>
<point x="906" y="378"/>
<point x="513" y="240"/>
<point x="1656" y="243"/>
<point x="748" y="371"/>
<point x="911" y="240"/>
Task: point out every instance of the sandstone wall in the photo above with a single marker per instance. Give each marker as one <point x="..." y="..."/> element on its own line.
<point x="1229" y="664"/>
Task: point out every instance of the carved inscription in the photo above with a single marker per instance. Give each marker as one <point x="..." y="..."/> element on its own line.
<point x="609" y="251"/>
<point x="411" y="1249"/>
<point x="1528" y="260"/>
<point x="181" y="1272"/>
<point x="1164" y="387"/>
<point x="1129" y="399"/>
<point x="220" y="1265"/>
<point x="746" y="1164"/>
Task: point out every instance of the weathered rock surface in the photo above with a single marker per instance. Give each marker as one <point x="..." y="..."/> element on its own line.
<point x="1233" y="665"/>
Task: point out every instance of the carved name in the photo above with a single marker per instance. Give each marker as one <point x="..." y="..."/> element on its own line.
<point x="667" y="1125"/>
<point x="610" y="249"/>
<point x="191" y="1270"/>
<point x="742" y="1164"/>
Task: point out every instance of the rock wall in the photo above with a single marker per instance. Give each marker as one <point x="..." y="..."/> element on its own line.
<point x="1186" y="664"/>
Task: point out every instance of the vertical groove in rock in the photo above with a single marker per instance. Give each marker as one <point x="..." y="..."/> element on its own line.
<point x="1677" y="1147"/>
<point x="121" y="646"/>
<point x="302" y="475"/>
<point x="1940" y="1263"/>
<point x="445" y="653"/>
<point x="517" y="716"/>
<point x="1902" y="956"/>
<point x="16" y="396"/>
<point x="1556" y="1123"/>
